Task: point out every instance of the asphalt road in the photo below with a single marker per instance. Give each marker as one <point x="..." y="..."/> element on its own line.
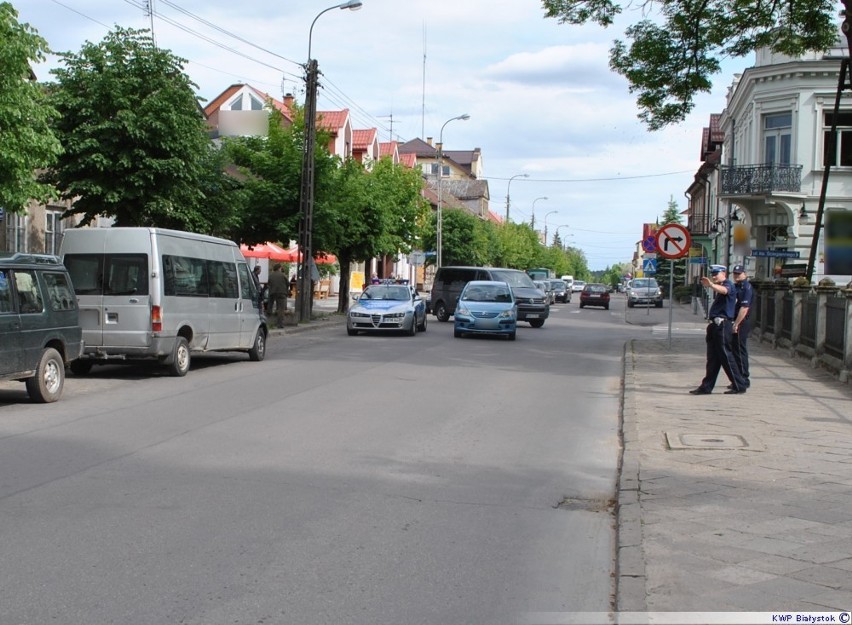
<point x="369" y="479"/>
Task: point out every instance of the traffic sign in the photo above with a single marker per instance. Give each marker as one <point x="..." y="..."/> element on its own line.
<point x="649" y="265"/>
<point x="673" y="241"/>
<point x="649" y="244"/>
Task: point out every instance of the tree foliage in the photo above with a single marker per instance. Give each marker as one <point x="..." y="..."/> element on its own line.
<point x="668" y="60"/>
<point x="27" y="142"/>
<point x="136" y="145"/>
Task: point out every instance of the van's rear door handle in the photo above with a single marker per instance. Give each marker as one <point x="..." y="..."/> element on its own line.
<point x="134" y="300"/>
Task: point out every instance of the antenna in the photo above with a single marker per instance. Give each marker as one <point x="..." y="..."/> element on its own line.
<point x="390" y="117"/>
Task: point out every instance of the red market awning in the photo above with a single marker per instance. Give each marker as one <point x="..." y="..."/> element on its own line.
<point x="269" y="250"/>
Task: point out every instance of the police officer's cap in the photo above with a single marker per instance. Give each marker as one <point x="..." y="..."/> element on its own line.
<point x="714" y="269"/>
<point x="738" y="269"/>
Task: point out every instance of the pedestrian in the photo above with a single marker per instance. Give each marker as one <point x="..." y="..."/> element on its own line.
<point x="719" y="334"/>
<point x="742" y="324"/>
<point x="374" y="279"/>
<point x="278" y="290"/>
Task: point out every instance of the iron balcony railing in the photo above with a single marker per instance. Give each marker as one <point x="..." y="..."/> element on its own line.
<point x="760" y="179"/>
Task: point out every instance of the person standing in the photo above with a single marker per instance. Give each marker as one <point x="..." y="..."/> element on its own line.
<point x="742" y="324"/>
<point x="719" y="334"/>
<point x="278" y="290"/>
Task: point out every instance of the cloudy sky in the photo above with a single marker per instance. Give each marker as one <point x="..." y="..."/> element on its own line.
<point x="541" y="98"/>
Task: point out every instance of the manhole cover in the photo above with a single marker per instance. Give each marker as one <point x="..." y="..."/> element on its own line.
<point x="708" y="441"/>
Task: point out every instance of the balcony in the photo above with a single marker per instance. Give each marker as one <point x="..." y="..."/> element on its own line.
<point x="760" y="179"/>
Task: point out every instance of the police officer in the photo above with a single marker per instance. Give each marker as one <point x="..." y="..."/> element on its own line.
<point x="719" y="334"/>
<point x="742" y="325"/>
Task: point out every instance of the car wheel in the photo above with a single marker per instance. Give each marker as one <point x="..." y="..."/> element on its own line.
<point x="581" y="305"/>
<point x="180" y="363"/>
<point x="258" y="350"/>
<point x="512" y="336"/>
<point x="658" y="304"/>
<point x="536" y="323"/>
<point x="412" y="330"/>
<point x="81" y="367"/>
<point x="46" y="385"/>
<point x="441" y="312"/>
<point x="630" y="304"/>
<point x="606" y="307"/>
<point x="422" y="326"/>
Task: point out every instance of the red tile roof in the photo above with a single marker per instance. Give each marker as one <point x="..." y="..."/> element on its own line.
<point x="332" y="120"/>
<point x="363" y="139"/>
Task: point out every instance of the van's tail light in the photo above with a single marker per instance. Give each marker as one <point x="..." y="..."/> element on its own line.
<point x="156" y="319"/>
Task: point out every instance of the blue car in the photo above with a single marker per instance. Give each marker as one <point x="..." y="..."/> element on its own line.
<point x="486" y="307"/>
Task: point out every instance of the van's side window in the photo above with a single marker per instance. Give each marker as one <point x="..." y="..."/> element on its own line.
<point x="223" y="279"/>
<point x="59" y="291"/>
<point x="29" y="297"/>
<point x="5" y="293"/>
<point x="185" y="276"/>
<point x="86" y="272"/>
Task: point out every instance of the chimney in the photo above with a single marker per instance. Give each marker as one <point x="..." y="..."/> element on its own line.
<point x="429" y="140"/>
<point x="288" y="100"/>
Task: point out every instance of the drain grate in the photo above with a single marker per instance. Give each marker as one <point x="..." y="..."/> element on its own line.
<point x="677" y="441"/>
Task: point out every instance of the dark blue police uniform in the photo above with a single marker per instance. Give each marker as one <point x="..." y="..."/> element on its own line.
<point x="739" y="343"/>
<point x="719" y="341"/>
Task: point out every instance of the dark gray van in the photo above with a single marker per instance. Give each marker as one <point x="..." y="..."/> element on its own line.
<point x="40" y="331"/>
<point x="449" y="282"/>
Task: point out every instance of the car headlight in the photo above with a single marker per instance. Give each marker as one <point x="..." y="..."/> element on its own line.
<point x="463" y="311"/>
<point x="355" y="314"/>
<point x="396" y="315"/>
<point x="507" y="314"/>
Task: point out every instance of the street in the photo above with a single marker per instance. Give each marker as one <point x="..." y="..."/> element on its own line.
<point x="368" y="479"/>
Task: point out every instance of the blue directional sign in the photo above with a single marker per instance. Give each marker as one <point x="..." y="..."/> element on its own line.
<point x="649" y="265"/>
<point x="776" y="253"/>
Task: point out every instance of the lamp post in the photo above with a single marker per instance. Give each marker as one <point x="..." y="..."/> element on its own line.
<point x="567" y="235"/>
<point x="545" y="225"/>
<point x="439" y="217"/>
<point x="306" y="196"/>
<point x="532" y="220"/>
<point x="509" y="186"/>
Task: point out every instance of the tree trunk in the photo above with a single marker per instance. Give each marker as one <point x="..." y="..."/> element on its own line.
<point x="343" y="295"/>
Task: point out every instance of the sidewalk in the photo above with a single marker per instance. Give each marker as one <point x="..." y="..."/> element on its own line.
<point x="731" y="503"/>
<point x="324" y="315"/>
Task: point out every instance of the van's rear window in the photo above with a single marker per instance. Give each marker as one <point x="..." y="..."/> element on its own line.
<point x="108" y="274"/>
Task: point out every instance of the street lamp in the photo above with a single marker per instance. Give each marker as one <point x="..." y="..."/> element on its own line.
<point x="532" y="220"/>
<point x="509" y="186"/>
<point x="545" y="225"/>
<point x="439" y="242"/>
<point x="567" y="235"/>
<point x="306" y="196"/>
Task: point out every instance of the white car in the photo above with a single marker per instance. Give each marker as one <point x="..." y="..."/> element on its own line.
<point x="387" y="308"/>
<point x="577" y="286"/>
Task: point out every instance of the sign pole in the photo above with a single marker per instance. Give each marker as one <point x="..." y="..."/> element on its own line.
<point x="671" y="299"/>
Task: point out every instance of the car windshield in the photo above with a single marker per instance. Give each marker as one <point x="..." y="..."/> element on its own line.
<point x="395" y="293"/>
<point x="487" y="293"/>
<point x="513" y="278"/>
<point x="648" y="283"/>
<point x="596" y="288"/>
<point x="557" y="284"/>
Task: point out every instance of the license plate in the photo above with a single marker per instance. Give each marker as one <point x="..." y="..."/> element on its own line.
<point x="533" y="316"/>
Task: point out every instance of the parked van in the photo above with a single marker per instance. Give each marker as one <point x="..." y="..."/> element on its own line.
<point x="449" y="282"/>
<point x="39" y="328"/>
<point x="155" y="294"/>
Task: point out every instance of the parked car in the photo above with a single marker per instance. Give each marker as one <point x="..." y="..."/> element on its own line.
<point x="577" y="286"/>
<point x="486" y="307"/>
<point x="40" y="331"/>
<point x="561" y="292"/>
<point x="387" y="308"/>
<point x="644" y="291"/>
<point x="449" y="282"/>
<point x="595" y="295"/>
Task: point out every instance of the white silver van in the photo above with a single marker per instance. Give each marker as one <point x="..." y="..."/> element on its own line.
<point x="156" y="294"/>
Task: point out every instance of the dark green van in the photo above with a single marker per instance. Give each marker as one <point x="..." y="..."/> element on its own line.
<point x="39" y="328"/>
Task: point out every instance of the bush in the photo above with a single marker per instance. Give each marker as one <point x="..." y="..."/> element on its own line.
<point x="683" y="293"/>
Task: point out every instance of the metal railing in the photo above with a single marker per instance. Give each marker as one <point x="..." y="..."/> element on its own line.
<point x="760" y="179"/>
<point x="814" y="322"/>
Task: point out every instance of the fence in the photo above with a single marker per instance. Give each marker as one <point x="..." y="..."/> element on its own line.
<point x="813" y="322"/>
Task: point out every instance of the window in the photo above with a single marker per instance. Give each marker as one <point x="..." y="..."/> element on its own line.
<point x="29" y="298"/>
<point x="52" y="231"/>
<point x="223" y="279"/>
<point x="108" y="274"/>
<point x="185" y="276"/>
<point x="5" y="292"/>
<point x="444" y="174"/>
<point x="59" y="291"/>
<point x="842" y="156"/>
<point x="777" y="138"/>
<point x="16" y="233"/>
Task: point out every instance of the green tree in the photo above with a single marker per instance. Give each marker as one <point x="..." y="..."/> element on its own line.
<point x="669" y="60"/>
<point x="136" y="145"/>
<point x="27" y="142"/>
